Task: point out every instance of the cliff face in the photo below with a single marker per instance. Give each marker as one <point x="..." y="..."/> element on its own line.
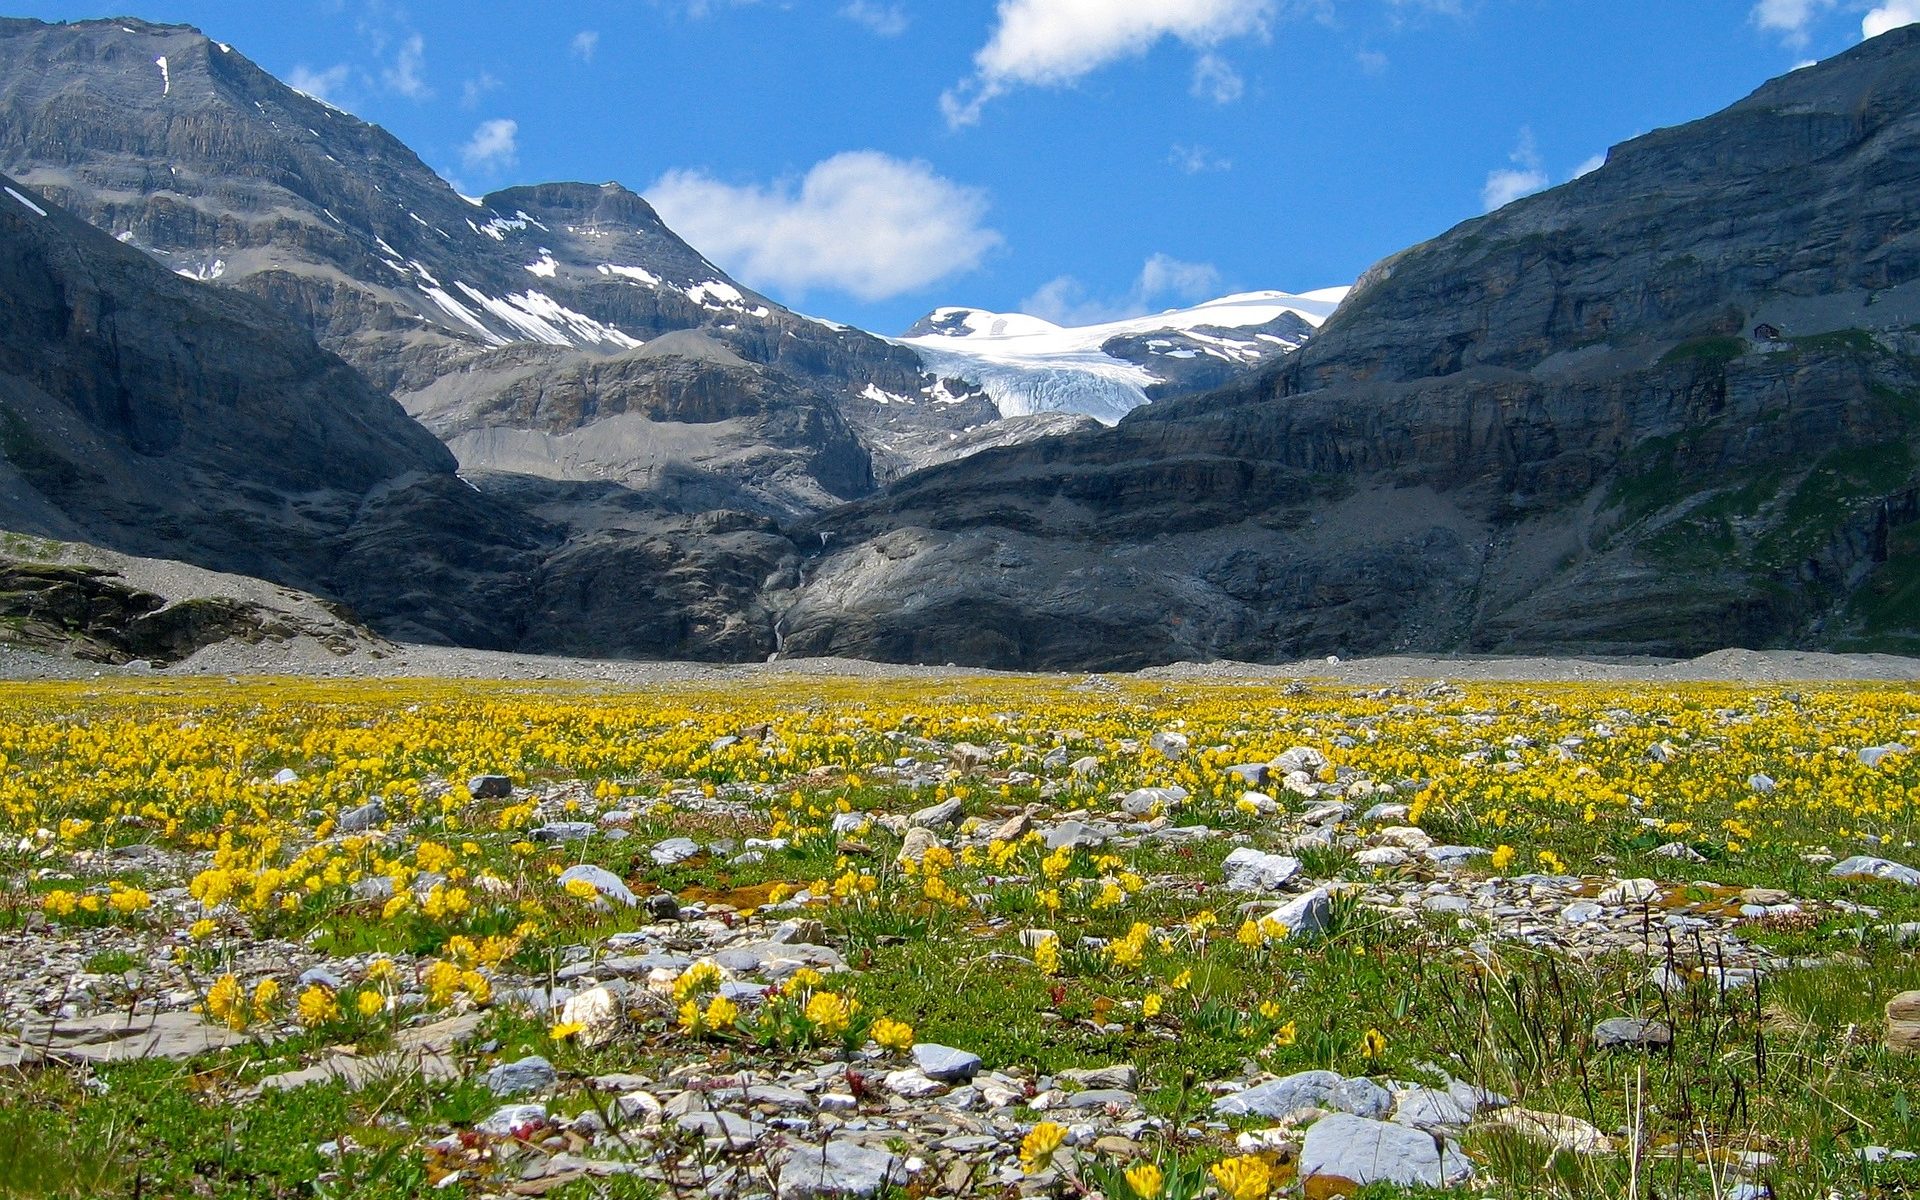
<point x="1670" y="406"/>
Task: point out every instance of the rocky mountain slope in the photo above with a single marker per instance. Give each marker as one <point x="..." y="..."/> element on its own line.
<point x="165" y="417"/>
<point x="1030" y="365"/>
<point x="1672" y="405"/>
<point x="184" y="147"/>
<point x="162" y="417"/>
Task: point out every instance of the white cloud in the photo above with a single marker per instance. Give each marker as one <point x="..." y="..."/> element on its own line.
<point x="585" y="44"/>
<point x="1891" y="15"/>
<point x="1197" y="160"/>
<point x="321" y="85"/>
<point x="475" y="90"/>
<point x="1051" y="43"/>
<point x="495" y="145"/>
<point x="1527" y="175"/>
<point x="405" y="75"/>
<point x="1215" y="79"/>
<point x="1590" y="166"/>
<point x="1372" y="61"/>
<point x="1163" y="280"/>
<point x="862" y="222"/>
<point x="887" y="20"/>
<point x="1791" y="19"/>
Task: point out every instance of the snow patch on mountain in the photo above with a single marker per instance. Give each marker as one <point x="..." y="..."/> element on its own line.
<point x="1029" y="365"/>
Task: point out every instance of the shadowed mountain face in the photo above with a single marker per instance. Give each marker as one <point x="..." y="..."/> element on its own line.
<point x="185" y="148"/>
<point x="159" y="416"/>
<point x="1671" y="406"/>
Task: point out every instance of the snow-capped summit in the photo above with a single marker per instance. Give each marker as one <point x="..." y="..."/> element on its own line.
<point x="1027" y="364"/>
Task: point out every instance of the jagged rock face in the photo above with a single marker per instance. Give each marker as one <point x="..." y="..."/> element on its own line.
<point x="226" y="174"/>
<point x="683" y="420"/>
<point x="1671" y="406"/>
<point x="123" y="416"/>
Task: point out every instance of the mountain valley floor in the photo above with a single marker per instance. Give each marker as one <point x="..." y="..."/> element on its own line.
<point x="831" y="929"/>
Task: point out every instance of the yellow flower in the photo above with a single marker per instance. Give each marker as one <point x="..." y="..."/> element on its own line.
<point x="563" y="1030"/>
<point x="59" y="903"/>
<point x="1373" y="1043"/>
<point x="1502" y="857"/>
<point x="722" y="1013"/>
<point x="829" y="1013"/>
<point x="442" y="980"/>
<point x="1046" y="956"/>
<point x="892" y="1034"/>
<point x="1038" y="1147"/>
<point x="1250" y="935"/>
<point x="1269" y="1009"/>
<point x="1150" y="1005"/>
<point x="317" y="1006"/>
<point x="581" y="889"/>
<point x="803" y="980"/>
<point x="1182" y="981"/>
<point x="227" y="1002"/>
<point x="478" y="987"/>
<point x="1286" y="1035"/>
<point x="689" y="1017"/>
<point x="1146" y="1181"/>
<point x="265" y="994"/>
<point x="202" y="929"/>
<point x="1244" y="1178"/>
<point x="370" y="1003"/>
<point x="697" y="980"/>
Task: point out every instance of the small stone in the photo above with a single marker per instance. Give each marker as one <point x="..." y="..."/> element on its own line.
<point x="1861" y="865"/>
<point x="363" y="818"/>
<point x="1452" y="858"/>
<point x="1383" y="856"/>
<point x="662" y="906"/>
<point x="1430" y="1108"/>
<point x="1362" y="1151"/>
<point x="1581" y="912"/>
<point x="1631" y="891"/>
<point x="943" y="815"/>
<point x="1250" y="870"/>
<point x="503" y="1121"/>
<point x="1253" y="775"/>
<point x="1679" y="851"/>
<point x="1873" y="756"/>
<point x="490" y="787"/>
<point x="945" y="1063"/>
<point x="839" y="1168"/>
<point x="285" y="776"/>
<point x="1300" y="758"/>
<point x="915" y="845"/>
<point x="1077" y="835"/>
<point x="597" y="1011"/>
<point x="736" y="1131"/>
<point x="969" y="757"/>
<point x="1279" y="1097"/>
<point x="1120" y="1075"/>
<point x="530" y="1074"/>
<point x="1307" y="914"/>
<point x="1632" y="1033"/>
<point x="912" y="1084"/>
<point x="673" y="851"/>
<point x="607" y="886"/>
<point x="563" y="831"/>
<point x="1903" y="1023"/>
<point x="1170" y="744"/>
<point x="1570" y="1134"/>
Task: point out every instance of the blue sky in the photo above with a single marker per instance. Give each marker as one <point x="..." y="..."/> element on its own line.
<point x="867" y="160"/>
